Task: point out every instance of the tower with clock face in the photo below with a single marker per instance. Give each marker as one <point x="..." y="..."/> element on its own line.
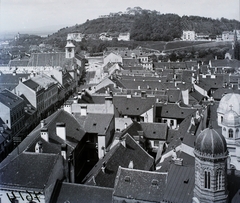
<point x="69" y="49"/>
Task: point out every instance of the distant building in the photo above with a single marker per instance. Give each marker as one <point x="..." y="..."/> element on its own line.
<point x="76" y="36"/>
<point x="188" y="35"/>
<point x="124" y="36"/>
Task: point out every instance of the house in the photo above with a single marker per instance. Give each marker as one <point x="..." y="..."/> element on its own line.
<point x="125" y="153"/>
<point x="138" y="107"/>
<point x="112" y="58"/>
<point x="124" y="36"/>
<point x="12" y="111"/>
<point x="71" y="192"/>
<point x="133" y="185"/>
<point x="33" y="183"/>
<point x="6" y="140"/>
<point x="188" y="35"/>
<point x="41" y="91"/>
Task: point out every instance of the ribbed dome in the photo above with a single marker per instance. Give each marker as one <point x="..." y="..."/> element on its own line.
<point x="231" y="118"/>
<point x="228" y="101"/>
<point x="211" y="144"/>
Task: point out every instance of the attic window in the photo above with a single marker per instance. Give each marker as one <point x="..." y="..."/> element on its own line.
<point x="94" y="124"/>
<point x="166" y="111"/>
<point x="186" y="181"/>
<point x="154" y="182"/>
<point x="181" y="112"/>
<point x="154" y="132"/>
<point x="137" y="108"/>
<point x="127" y="108"/>
<point x="127" y="179"/>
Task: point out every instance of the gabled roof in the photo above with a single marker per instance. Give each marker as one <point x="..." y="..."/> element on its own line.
<point x="48" y="59"/>
<point x="119" y="155"/>
<point x="226" y="63"/>
<point x="18" y="62"/>
<point x="134" y="106"/>
<point x="35" y="176"/>
<point x="145" y="186"/>
<point x="77" y="193"/>
<point x="74" y="134"/>
<point x="180" y="184"/>
<point x="155" y="131"/>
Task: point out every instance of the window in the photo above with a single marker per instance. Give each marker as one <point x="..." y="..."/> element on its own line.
<point x="230" y="133"/>
<point x="207" y="180"/>
<point x="221" y="119"/>
<point x="219" y="180"/>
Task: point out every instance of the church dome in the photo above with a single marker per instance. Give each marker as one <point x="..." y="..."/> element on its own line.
<point x="210" y="144"/>
<point x="231" y="118"/>
<point x="228" y="101"/>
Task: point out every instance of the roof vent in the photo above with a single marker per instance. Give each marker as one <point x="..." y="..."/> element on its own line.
<point x="127" y="179"/>
<point x="154" y="182"/>
<point x="178" y="161"/>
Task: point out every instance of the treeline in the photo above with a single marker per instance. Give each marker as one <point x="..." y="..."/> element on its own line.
<point x="147" y="25"/>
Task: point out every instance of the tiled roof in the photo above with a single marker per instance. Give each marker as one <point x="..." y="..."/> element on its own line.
<point x="44" y="80"/>
<point x="175" y="111"/>
<point x="133" y="106"/>
<point x="74" y="132"/>
<point x="18" y="62"/>
<point x="32" y="85"/>
<point x="48" y="59"/>
<point x="118" y="156"/>
<point x="97" y="123"/>
<point x="10" y="81"/>
<point x="220" y="92"/>
<point x="155" y="131"/>
<point x="144" y="186"/>
<point x="77" y="193"/>
<point x="9" y="99"/>
<point x="226" y="63"/>
<point x="180" y="184"/>
<point x="35" y="176"/>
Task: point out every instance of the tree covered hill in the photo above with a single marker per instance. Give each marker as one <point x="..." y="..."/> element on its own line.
<point x="150" y="25"/>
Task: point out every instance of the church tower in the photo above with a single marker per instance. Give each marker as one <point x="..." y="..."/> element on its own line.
<point x="69" y="49"/>
<point x="210" y="168"/>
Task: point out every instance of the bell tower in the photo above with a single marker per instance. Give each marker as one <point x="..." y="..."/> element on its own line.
<point x="210" y="168"/>
<point x="69" y="49"/>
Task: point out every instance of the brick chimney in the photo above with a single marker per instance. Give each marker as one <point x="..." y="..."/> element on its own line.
<point x="109" y="104"/>
<point x="61" y="130"/>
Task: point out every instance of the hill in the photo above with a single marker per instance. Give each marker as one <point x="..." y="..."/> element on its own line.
<point x="150" y="25"/>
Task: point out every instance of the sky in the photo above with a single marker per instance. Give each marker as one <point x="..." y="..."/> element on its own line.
<point x="51" y="15"/>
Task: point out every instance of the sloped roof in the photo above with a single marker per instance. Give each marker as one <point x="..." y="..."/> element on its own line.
<point x="18" y="62"/>
<point x="180" y="184"/>
<point x="10" y="81"/>
<point x="134" y="106"/>
<point x="176" y="111"/>
<point x="140" y="185"/>
<point x="77" y="193"/>
<point x="9" y="99"/>
<point x="74" y="132"/>
<point x="155" y="131"/>
<point x="97" y="123"/>
<point x="118" y="156"/>
<point x="32" y="85"/>
<point x="35" y="176"/>
<point x="49" y="59"/>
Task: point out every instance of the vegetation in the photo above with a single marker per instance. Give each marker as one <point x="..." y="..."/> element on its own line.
<point x="148" y="25"/>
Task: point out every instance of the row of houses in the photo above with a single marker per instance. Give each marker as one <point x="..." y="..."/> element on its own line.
<point x="189" y="35"/>
<point x="133" y="136"/>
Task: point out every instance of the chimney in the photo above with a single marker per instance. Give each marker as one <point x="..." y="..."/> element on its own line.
<point x="68" y="108"/>
<point x="44" y="134"/>
<point x="38" y="147"/>
<point x="125" y="126"/>
<point x="84" y="110"/>
<point x="178" y="161"/>
<point x="143" y="94"/>
<point x="61" y="130"/>
<point x="130" y="165"/>
<point x="64" y="151"/>
<point x="109" y="104"/>
<point x="42" y="123"/>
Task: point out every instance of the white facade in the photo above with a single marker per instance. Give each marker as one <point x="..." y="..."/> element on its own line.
<point x="188" y="35"/>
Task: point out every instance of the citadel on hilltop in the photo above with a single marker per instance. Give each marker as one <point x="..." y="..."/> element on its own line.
<point x="119" y="128"/>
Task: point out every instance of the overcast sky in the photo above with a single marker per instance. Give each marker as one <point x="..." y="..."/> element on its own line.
<point x="29" y="15"/>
